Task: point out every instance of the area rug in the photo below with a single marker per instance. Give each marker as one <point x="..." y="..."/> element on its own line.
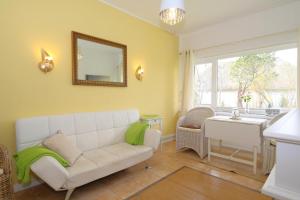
<point x="187" y="184"/>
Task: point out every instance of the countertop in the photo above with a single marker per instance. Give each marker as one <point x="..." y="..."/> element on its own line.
<point x="287" y="129"/>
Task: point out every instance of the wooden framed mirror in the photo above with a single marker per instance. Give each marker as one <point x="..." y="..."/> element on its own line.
<point x="98" y="62"/>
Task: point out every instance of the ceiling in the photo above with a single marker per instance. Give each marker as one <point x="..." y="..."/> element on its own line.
<point x="199" y="13"/>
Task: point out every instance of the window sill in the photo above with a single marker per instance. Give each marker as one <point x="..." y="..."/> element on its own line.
<point x="251" y="115"/>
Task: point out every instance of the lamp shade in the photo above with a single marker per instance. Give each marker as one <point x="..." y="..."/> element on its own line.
<point x="166" y="4"/>
<point x="172" y="11"/>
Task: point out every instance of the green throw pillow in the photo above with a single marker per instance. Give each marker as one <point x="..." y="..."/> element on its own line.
<point x="135" y="133"/>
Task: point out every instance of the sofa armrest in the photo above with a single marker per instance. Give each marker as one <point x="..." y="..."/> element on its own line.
<point x="152" y="138"/>
<point x="50" y="171"/>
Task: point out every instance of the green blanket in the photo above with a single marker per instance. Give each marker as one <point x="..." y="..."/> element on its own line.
<point x="135" y="133"/>
<point x="25" y="158"/>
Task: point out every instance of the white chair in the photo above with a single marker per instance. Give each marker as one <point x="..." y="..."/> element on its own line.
<point x="269" y="151"/>
<point x="190" y="130"/>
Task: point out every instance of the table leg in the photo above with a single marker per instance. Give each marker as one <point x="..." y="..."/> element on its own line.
<point x="150" y="125"/>
<point x="264" y="154"/>
<point x="209" y="149"/>
<point x="254" y="159"/>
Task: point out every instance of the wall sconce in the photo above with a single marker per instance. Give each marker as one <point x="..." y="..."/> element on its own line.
<point x="139" y="73"/>
<point x="46" y="65"/>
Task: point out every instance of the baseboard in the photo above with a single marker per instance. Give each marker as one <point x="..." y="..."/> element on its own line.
<point x="19" y="187"/>
<point x="167" y="138"/>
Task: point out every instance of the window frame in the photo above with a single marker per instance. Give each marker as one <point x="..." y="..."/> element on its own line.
<point x="214" y="61"/>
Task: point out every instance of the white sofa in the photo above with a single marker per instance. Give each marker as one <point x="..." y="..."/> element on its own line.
<point x="99" y="135"/>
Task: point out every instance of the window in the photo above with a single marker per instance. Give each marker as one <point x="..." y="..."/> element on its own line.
<point x="255" y="80"/>
<point x="202" y="84"/>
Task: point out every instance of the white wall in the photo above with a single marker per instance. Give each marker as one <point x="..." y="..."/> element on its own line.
<point x="280" y="40"/>
<point x="273" y="21"/>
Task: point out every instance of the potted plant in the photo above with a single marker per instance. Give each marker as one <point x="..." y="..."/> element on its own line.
<point x="246" y="99"/>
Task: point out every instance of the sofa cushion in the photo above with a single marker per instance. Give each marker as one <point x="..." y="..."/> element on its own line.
<point x="124" y="150"/>
<point x="119" y="135"/>
<point x="87" y="141"/>
<point x="85" y="122"/>
<point x="65" y="123"/>
<point x="192" y="118"/>
<point x="120" y="119"/>
<point x="101" y="157"/>
<point x="99" y="163"/>
<point x="81" y="166"/>
<point x="133" y="116"/>
<point x="62" y="145"/>
<point x="106" y="137"/>
<point x="191" y="126"/>
<point x="31" y="131"/>
<point x="114" y="153"/>
<point x="104" y="120"/>
<point x="190" y="130"/>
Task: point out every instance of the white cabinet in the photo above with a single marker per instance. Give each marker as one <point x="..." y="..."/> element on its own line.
<point x="284" y="180"/>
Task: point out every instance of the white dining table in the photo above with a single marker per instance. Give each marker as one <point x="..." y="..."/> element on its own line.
<point x="244" y="133"/>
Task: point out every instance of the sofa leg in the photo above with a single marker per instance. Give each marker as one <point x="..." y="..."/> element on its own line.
<point x="69" y="193"/>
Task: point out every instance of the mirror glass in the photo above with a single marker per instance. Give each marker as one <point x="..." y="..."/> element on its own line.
<point x="98" y="61"/>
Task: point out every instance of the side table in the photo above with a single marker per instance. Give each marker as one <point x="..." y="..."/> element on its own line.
<point x="154" y="120"/>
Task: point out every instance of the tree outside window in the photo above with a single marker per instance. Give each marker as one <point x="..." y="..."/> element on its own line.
<point x="270" y="80"/>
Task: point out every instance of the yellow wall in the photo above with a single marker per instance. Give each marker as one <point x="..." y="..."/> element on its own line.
<point x="27" y="26"/>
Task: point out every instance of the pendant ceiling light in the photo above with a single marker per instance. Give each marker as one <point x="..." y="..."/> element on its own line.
<point x="172" y="11"/>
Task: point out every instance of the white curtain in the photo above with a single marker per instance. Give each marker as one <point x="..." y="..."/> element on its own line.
<point x="187" y="86"/>
<point x="298" y="72"/>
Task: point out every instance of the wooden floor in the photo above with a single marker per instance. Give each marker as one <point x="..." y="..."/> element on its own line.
<point x="123" y="184"/>
<point x="188" y="184"/>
